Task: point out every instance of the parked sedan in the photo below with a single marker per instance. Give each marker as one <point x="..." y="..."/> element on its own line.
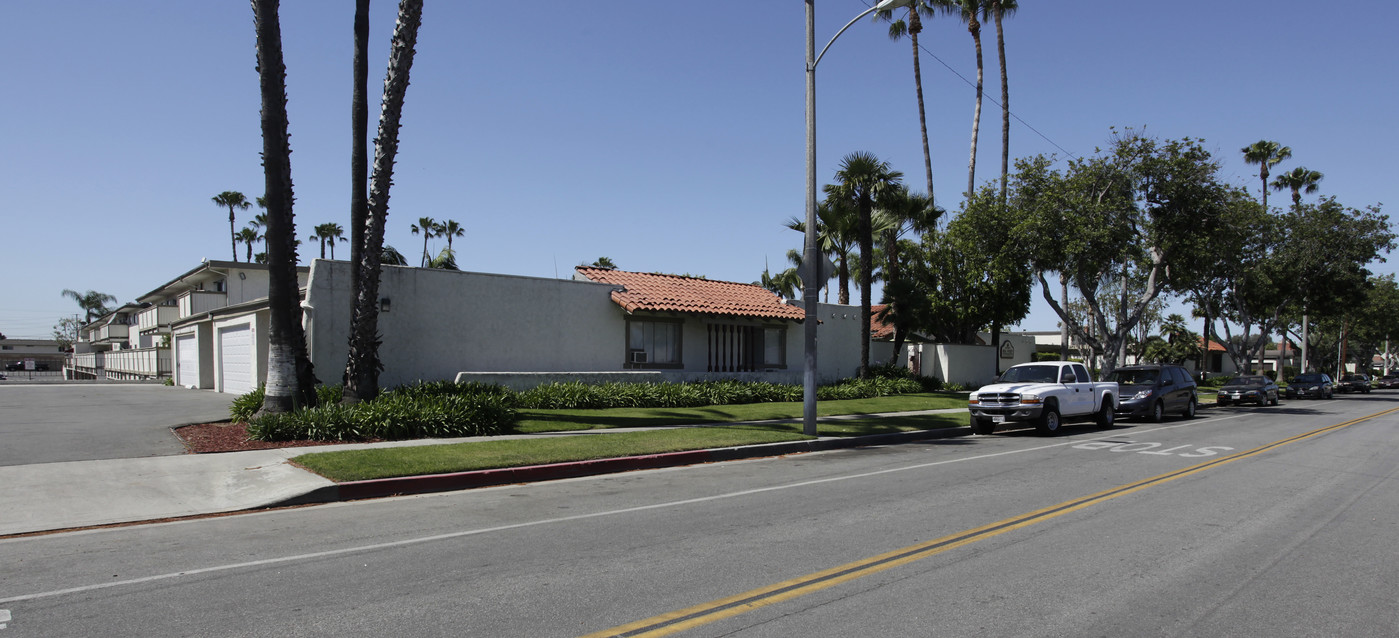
<point x="1354" y="383"/>
<point x="1313" y="385"/>
<point x="1151" y="391"/>
<point x="1248" y="388"/>
<point x="1387" y="382"/>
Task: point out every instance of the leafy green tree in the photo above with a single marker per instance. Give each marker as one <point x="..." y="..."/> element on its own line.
<point x="232" y="200"/>
<point x="362" y="364"/>
<point x="1238" y="284"/>
<point x="1266" y="154"/>
<point x="1141" y="211"/>
<point x="291" y="380"/>
<point x="1373" y="322"/>
<point x="65" y="332"/>
<point x="93" y="303"/>
<point x="1178" y="345"/>
<point x="861" y="180"/>
<point x="1298" y="180"/>
<point x="427" y="227"/>
<point x="900" y="212"/>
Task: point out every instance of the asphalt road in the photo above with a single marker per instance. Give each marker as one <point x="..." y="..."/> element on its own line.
<point x="84" y="421"/>
<point x="1244" y="522"/>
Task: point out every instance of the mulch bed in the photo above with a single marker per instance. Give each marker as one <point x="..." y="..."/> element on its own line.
<point x="205" y="438"/>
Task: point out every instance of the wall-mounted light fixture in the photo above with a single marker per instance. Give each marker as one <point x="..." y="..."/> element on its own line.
<point x="384" y="304"/>
<point x="242" y="276"/>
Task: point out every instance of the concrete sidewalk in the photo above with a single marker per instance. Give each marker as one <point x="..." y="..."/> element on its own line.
<point x="56" y="496"/>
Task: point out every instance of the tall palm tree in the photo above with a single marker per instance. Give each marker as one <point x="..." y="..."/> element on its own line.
<point x="93" y="303"/>
<point x="996" y="10"/>
<point x="248" y="236"/>
<point x="450" y="229"/>
<point x="969" y="11"/>
<point x="900" y="211"/>
<point x="362" y="365"/>
<point x="359" y="153"/>
<point x="1299" y="180"/>
<point x="392" y="257"/>
<point x="428" y="227"/>
<point x="604" y="262"/>
<point x="861" y="181"/>
<point x="319" y="235"/>
<point x="232" y="200"/>
<point x="912" y="26"/>
<point x="1266" y="154"/>
<point x="291" y="381"/>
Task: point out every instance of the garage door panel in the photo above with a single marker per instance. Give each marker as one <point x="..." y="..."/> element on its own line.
<point x="236" y="359"/>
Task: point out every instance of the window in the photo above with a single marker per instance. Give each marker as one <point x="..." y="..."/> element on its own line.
<point x="653" y="343"/>
<point x="745" y="348"/>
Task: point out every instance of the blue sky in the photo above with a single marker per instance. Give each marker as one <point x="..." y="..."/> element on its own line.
<point x="667" y="136"/>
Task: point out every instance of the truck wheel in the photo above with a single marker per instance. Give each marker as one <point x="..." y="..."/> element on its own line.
<point x="1105" y="414"/>
<point x="1048" y="425"/>
<point x="982" y="426"/>
<point x="1189" y="412"/>
<point x="1158" y="412"/>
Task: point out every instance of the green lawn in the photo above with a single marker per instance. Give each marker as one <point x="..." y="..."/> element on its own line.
<point x="354" y="465"/>
<point x="533" y="421"/>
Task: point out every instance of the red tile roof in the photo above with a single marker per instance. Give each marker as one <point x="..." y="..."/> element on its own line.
<point x="1215" y="346"/>
<point x="673" y="293"/>
<point x="879" y="329"/>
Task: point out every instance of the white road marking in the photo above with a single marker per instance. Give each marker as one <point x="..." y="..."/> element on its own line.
<point x="4" y="617"/>
<point x="564" y="519"/>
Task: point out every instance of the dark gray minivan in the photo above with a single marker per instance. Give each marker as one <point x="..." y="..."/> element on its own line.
<point x="1152" y="391"/>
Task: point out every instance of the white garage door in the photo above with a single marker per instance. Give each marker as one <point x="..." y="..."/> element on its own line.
<point x="188" y="352"/>
<point x="236" y="359"/>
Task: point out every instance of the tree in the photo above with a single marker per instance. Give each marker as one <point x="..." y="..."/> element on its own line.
<point x="392" y="257"/>
<point x="362" y="365"/>
<point x="93" y="303"/>
<point x="835" y="234"/>
<point x="359" y="153"/>
<point x="997" y="10"/>
<point x="427" y="226"/>
<point x="291" y="381"/>
<point x="445" y="260"/>
<point x="232" y="200"/>
<point x="900" y="212"/>
<point x="861" y="180"/>
<point x="334" y="233"/>
<point x="248" y="236"/>
<point x="1179" y="345"/>
<point x="604" y="262"/>
<point x="968" y="11"/>
<point x="1143" y="212"/>
<point x="912" y="26"/>
<point x="65" y="332"/>
<point x="1266" y="154"/>
<point x="1299" y="180"/>
<point x="450" y="229"/>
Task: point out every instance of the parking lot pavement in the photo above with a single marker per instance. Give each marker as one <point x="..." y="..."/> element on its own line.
<point x="76" y="421"/>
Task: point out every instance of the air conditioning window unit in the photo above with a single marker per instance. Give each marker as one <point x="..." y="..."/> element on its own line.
<point x="639" y="356"/>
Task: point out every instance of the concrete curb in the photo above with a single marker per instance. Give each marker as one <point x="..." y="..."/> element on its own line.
<point x="405" y="485"/>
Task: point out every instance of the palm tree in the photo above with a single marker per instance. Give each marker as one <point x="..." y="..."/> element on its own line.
<point x="333" y="233"/>
<point x="248" y="235"/>
<point x="362" y="364"/>
<point x="93" y="303"/>
<point x="968" y="11"/>
<point x="605" y="262"/>
<point x="449" y="229"/>
<point x="445" y="260"/>
<point x="359" y="153"/>
<point x="232" y="200"/>
<point x="899" y="212"/>
<point x="1266" y="154"/>
<point x="996" y="10"/>
<point x="428" y="227"/>
<point x="912" y="27"/>
<point x="861" y="181"/>
<point x="392" y="257"/>
<point x="835" y="233"/>
<point x="291" y="381"/>
<point x="319" y="236"/>
<point x="1299" y="180"/>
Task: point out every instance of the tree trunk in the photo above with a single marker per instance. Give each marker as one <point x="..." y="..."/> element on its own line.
<point x="291" y="381"/>
<point x="1005" y="105"/>
<point x="232" y="234"/>
<point x="1064" y="325"/>
<point x="866" y="274"/>
<point x="975" y="28"/>
<point x="359" y="155"/>
<point x="843" y="295"/>
<point x="915" y="26"/>
<point x="363" y="365"/>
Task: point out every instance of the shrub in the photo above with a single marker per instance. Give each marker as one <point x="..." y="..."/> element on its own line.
<point x="411" y="412"/>
<point x="245" y="406"/>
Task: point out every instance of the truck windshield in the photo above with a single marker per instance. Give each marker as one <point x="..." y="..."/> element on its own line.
<point x="1031" y="374"/>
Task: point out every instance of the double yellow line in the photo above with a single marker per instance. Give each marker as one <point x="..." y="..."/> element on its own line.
<point x="689" y="618"/>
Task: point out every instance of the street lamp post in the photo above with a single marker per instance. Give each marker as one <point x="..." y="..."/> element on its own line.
<point x="811" y="256"/>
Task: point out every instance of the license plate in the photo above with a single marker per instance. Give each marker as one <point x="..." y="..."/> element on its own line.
<point x="998" y="419"/>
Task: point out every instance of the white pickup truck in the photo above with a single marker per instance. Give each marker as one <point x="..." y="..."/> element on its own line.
<point x="1046" y="394"/>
